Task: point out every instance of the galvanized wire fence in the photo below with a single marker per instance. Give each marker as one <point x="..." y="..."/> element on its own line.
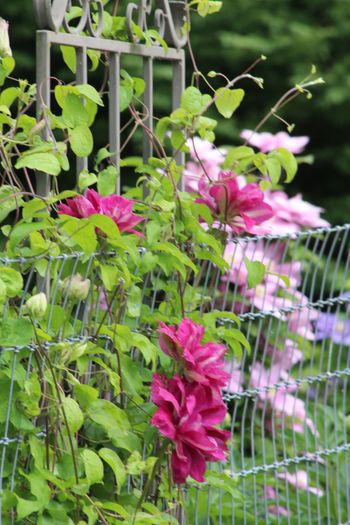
<point x="288" y="397"/>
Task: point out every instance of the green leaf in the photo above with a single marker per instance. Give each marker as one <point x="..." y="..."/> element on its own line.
<point x="208" y="7"/>
<point x="125" y="97"/>
<point x="115" y="422"/>
<point x="69" y="57"/>
<point x="113" y="460"/>
<point x="236" y="154"/>
<point x="153" y="230"/>
<point x="74" y="113"/>
<point x="147" y="349"/>
<point x="256" y="272"/>
<point x="9" y="95"/>
<point x="9" y="200"/>
<point x="193" y="101"/>
<point x="105" y="224"/>
<point x="81" y="232"/>
<point x="274" y="170"/>
<point x="162" y="127"/>
<point x="287" y="161"/>
<point x="283" y="278"/>
<point x="16" y="332"/>
<point x="22" y="230"/>
<point x="45" y="162"/>
<point x="107" y="181"/>
<point x="90" y="93"/>
<point x="7" y="65"/>
<point x="223" y="482"/>
<point x="167" y="247"/>
<point x="26" y="507"/>
<point x="228" y="100"/>
<point x="134" y="302"/>
<point x="85" y="394"/>
<point x="12" y="280"/>
<point x="74" y="415"/>
<point x="109" y="275"/>
<point x="86" y="179"/>
<point x="93" y="466"/>
<point x="81" y="140"/>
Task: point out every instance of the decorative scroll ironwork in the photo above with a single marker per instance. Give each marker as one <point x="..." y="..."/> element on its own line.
<point x="168" y="17"/>
<point x="52" y="14"/>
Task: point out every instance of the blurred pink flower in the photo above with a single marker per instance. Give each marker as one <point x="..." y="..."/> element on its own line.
<point x="240" y="209"/>
<point x="235" y="382"/>
<point x="210" y="158"/>
<point x="202" y="363"/>
<point x="301" y="321"/>
<point x="288" y="356"/>
<point x="300" y="480"/>
<point x="265" y="379"/>
<point x="290" y="214"/>
<point x="266" y="142"/>
<point x="284" y="404"/>
<point x="276" y="510"/>
<point x="281" y="401"/>
<point x="114" y="206"/>
<point x="271" y="255"/>
<point x="186" y="414"/>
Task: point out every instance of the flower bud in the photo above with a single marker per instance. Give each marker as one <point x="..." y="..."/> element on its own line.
<point x="36" y="305"/>
<point x="76" y="287"/>
<point x="5" y="49"/>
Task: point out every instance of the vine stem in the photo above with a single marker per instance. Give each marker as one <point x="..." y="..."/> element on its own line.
<point x="148" y="484"/>
<point x="59" y="398"/>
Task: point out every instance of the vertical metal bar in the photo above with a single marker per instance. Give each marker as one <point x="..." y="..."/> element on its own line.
<point x="81" y="78"/>
<point x="43" y="74"/>
<point x="179" y="82"/>
<point x="148" y="107"/>
<point x="114" y="112"/>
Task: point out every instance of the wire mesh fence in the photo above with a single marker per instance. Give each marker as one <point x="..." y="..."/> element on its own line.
<point x="288" y="395"/>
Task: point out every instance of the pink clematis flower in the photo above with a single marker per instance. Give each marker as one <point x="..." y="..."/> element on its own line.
<point x="281" y="402"/>
<point x="202" y="363"/>
<point x="114" y="206"/>
<point x="288" y="357"/>
<point x="186" y="415"/>
<point x="266" y="142"/>
<point x="300" y="480"/>
<point x="240" y="209"/>
<point x="290" y="214"/>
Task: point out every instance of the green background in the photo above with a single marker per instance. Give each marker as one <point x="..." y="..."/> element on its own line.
<point x="293" y="34"/>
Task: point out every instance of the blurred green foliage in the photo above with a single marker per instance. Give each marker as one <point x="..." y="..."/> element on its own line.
<point x="293" y="34"/>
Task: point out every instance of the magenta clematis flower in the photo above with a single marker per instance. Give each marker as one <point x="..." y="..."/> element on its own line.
<point x="114" y="206"/>
<point x="266" y="142"/>
<point x="186" y="415"/>
<point x="201" y="363"/>
<point x="240" y="209"/>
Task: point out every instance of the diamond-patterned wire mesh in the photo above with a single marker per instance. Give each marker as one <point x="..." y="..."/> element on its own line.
<point x="288" y="397"/>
